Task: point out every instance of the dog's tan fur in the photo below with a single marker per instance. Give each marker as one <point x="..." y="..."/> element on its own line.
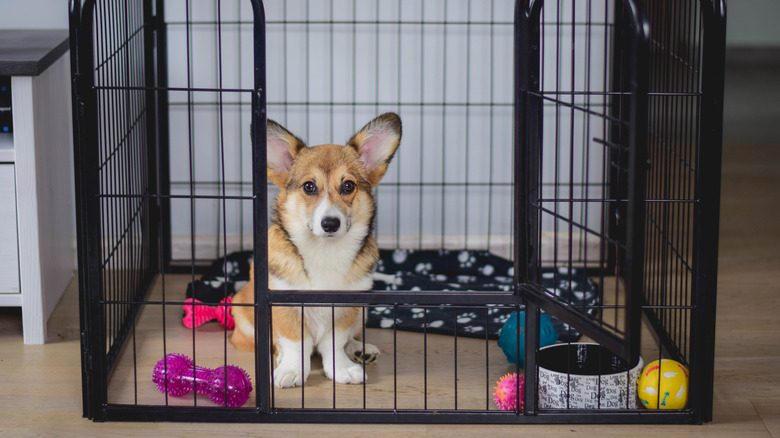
<point x="302" y="256"/>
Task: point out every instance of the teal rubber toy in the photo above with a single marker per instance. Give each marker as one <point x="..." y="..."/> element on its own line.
<point x="508" y="338"/>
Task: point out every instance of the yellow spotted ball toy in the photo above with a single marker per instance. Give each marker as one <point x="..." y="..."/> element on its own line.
<point x="664" y="385"/>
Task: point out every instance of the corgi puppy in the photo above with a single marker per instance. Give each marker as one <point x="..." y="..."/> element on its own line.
<point x="321" y="238"/>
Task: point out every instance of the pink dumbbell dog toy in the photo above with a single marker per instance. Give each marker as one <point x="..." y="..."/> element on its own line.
<point x="178" y="375"/>
<point x="196" y="313"/>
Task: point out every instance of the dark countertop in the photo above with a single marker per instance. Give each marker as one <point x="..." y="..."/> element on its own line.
<point x="30" y="52"/>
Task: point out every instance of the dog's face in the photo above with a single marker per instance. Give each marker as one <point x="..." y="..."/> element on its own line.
<point x="326" y="190"/>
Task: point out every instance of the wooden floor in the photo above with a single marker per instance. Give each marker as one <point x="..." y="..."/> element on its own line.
<point x="40" y="386"/>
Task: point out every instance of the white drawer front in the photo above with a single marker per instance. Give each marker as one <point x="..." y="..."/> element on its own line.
<point x="9" y="253"/>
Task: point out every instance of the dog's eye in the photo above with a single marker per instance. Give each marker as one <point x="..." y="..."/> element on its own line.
<point x="309" y="188"/>
<point x="347" y="187"/>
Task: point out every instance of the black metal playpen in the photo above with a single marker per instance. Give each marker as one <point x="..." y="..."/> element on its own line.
<point x="560" y="165"/>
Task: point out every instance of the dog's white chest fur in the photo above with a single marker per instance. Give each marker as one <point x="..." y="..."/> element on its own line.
<point x="327" y="261"/>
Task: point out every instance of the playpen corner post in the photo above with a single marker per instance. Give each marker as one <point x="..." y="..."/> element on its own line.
<point x="88" y="231"/>
<point x="707" y="212"/>
<point x="527" y="149"/>
<point x="263" y="351"/>
<point x="527" y="137"/>
<point x="74" y="19"/>
<point x="638" y="167"/>
<point x="162" y="138"/>
<point x="152" y="145"/>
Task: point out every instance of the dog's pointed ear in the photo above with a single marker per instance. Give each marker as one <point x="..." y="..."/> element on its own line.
<point x="282" y="147"/>
<point x="376" y="144"/>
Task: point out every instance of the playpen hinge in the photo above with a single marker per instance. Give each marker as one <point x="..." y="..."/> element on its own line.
<point x="85" y="348"/>
<point x="259" y="109"/>
<point x="78" y="94"/>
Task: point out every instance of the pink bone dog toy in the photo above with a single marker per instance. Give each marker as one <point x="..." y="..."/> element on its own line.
<point x="196" y="313"/>
<point x="178" y="375"/>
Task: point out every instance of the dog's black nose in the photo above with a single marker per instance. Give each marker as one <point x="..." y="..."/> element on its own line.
<point x="330" y="224"/>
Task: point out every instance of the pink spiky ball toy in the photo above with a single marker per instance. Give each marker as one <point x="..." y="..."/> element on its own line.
<point x="177" y="375"/>
<point x="509" y="392"/>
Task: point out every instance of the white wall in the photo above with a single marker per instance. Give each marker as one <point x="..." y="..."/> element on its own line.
<point x="400" y="67"/>
<point x="753" y="23"/>
<point x="34" y="14"/>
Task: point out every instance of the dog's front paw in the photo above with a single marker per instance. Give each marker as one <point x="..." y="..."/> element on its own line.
<point x="358" y="354"/>
<point x="288" y="377"/>
<point x="351" y="374"/>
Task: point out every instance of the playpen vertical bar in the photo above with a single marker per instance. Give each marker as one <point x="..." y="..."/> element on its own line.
<point x="612" y="222"/>
<point x="492" y="105"/>
<point x="150" y="25"/>
<point x="638" y="120"/>
<point x="421" y="186"/>
<point x="260" y="239"/>
<point x="161" y="163"/>
<point x="706" y="214"/>
<point x="531" y="347"/>
<point x="443" y="193"/>
<point x="163" y="187"/>
<point x="527" y="139"/>
<point x="87" y="205"/>
<point x="82" y="228"/>
<point x="691" y="130"/>
<point x="73" y="22"/>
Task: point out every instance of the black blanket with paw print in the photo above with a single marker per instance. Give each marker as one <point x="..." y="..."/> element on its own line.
<point x="426" y="270"/>
<point x="465" y="270"/>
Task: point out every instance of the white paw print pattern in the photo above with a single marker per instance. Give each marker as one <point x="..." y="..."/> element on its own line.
<point x="492" y="309"/>
<point x="474" y="329"/>
<point x="418" y="313"/>
<point x="382" y="310"/>
<point x="399" y="256"/>
<point x="465" y="318"/>
<point x="487" y="270"/>
<point x="423" y="268"/>
<point x="466" y="278"/>
<point x="501" y="319"/>
<point x="466" y="259"/>
<point x="216" y="284"/>
<point x="231" y="267"/>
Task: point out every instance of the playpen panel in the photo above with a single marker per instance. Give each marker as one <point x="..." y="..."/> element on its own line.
<point x="445" y="67"/>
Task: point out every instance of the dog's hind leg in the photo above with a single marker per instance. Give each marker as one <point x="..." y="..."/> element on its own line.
<point x="360" y="352"/>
